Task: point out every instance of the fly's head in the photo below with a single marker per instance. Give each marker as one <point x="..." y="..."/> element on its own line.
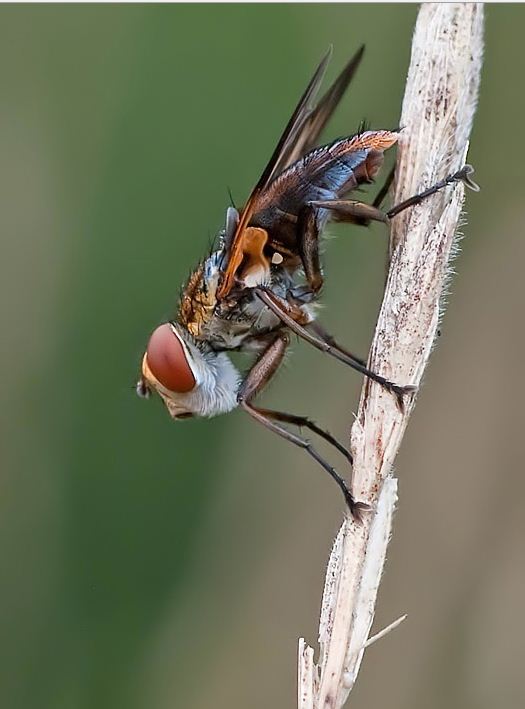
<point x="191" y="380"/>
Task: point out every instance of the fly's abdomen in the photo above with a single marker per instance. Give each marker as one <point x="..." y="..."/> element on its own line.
<point x="328" y="172"/>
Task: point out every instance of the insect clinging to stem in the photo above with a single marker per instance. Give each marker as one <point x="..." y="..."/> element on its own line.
<point x="265" y="277"/>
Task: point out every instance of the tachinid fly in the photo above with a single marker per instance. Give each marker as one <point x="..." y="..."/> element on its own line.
<point x="265" y="277"/>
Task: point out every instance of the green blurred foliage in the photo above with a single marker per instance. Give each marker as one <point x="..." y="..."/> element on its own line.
<point x="123" y="127"/>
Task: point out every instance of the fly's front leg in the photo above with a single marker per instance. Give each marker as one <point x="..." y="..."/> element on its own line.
<point x="289" y="318"/>
<point x="259" y="375"/>
<point x="303" y="422"/>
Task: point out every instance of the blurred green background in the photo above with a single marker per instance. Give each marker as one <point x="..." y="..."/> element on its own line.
<point x="151" y="564"/>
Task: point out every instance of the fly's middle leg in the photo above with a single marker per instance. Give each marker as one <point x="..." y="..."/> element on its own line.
<point x="323" y="334"/>
<point x="346" y="210"/>
<point x="308" y="231"/>
<point x="288" y="315"/>
<point x="308" y="242"/>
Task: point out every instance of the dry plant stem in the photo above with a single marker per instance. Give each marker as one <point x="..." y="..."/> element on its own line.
<point x="438" y="109"/>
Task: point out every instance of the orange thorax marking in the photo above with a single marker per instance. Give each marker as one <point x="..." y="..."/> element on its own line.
<point x="248" y="263"/>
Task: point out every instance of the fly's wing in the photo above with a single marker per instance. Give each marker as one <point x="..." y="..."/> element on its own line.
<point x="301" y="132"/>
<point x="329" y="172"/>
<point x="314" y="123"/>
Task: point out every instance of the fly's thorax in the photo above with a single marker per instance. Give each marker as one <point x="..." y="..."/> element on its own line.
<point x="192" y="379"/>
<point x="242" y="318"/>
<point x="199" y="295"/>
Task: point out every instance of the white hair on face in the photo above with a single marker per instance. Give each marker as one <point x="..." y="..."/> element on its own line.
<point x="215" y="391"/>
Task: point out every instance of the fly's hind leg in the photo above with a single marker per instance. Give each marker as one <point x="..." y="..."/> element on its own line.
<point x="380" y="196"/>
<point x="349" y="210"/>
<point x="308" y="242"/>
<point x="464" y="175"/>
<point x="346" y="210"/>
<point x="259" y="375"/>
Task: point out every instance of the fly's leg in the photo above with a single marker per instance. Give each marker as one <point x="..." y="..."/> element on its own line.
<point x="380" y="196"/>
<point x="346" y="210"/>
<point x="290" y="318"/>
<point x="463" y="175"/>
<point x="304" y="422"/>
<point x="308" y="242"/>
<point x="303" y="294"/>
<point x="308" y="231"/>
<point x="259" y="375"/>
<point x="349" y="210"/>
<point x="354" y="211"/>
<point x="330" y="340"/>
<point x="356" y="508"/>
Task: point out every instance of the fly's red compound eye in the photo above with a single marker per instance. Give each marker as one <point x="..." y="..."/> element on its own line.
<point x="168" y="362"/>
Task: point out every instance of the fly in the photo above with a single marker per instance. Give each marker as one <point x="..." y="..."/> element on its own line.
<point x="263" y="281"/>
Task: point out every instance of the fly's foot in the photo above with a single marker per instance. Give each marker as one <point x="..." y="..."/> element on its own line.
<point x="357" y="509"/>
<point x="464" y="175"/>
<point x="400" y="392"/>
